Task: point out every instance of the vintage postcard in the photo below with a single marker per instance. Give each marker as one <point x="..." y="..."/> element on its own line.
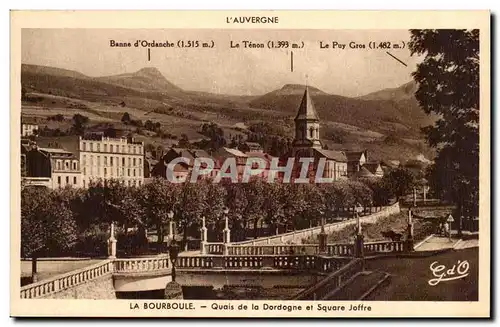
<point x="250" y="163"/>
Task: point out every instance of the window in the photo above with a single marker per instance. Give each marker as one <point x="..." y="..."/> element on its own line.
<point x="140" y="183"/>
<point x="84" y="146"/>
<point x="123" y="148"/>
<point x="98" y="160"/>
<point x="84" y="160"/>
<point x="133" y="162"/>
<point x="91" y="160"/>
<point x="133" y="172"/>
<point x="135" y="149"/>
<point x="74" y="165"/>
<point x="111" y="161"/>
<point x="140" y="162"/>
<point x="123" y="161"/>
<point x="105" y="172"/>
<point x="111" y="148"/>
<point x="129" y="149"/>
<point x="311" y="132"/>
<point x="84" y="170"/>
<point x="67" y="179"/>
<point x="83" y="183"/>
<point x="105" y="148"/>
<point x="105" y="161"/>
<point x="128" y="172"/>
<point x="74" y="180"/>
<point x="128" y="182"/>
<point x="59" y="180"/>
<point x="129" y="161"/>
<point x="66" y="164"/>
<point x="98" y="147"/>
<point x="91" y="145"/>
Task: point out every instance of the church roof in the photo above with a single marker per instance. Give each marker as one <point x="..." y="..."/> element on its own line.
<point x="332" y="154"/>
<point x="306" y="109"/>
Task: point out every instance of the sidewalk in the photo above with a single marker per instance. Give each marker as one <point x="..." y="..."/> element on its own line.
<point x="434" y="243"/>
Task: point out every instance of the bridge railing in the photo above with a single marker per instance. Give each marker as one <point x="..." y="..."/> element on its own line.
<point x="214" y="248"/>
<point x="278" y="249"/>
<point x="293" y="262"/>
<point x="340" y="249"/>
<point x="138" y="265"/>
<point x="67" y="280"/>
<point x="383" y="246"/>
<point x="332" y="281"/>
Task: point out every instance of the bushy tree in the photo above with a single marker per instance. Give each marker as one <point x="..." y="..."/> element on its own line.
<point x="448" y="86"/>
<point x="48" y="226"/>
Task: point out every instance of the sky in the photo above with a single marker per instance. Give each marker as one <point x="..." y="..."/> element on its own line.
<point x="225" y="70"/>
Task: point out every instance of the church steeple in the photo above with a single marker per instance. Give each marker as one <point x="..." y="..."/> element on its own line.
<point x="306" y="125"/>
<point x="306" y="108"/>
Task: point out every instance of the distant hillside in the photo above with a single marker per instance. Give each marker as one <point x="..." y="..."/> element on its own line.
<point x="403" y="92"/>
<point x="146" y="79"/>
<point x="382" y="115"/>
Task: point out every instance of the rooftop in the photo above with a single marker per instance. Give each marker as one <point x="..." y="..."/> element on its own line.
<point x="332" y="154"/>
<point x="306" y="108"/>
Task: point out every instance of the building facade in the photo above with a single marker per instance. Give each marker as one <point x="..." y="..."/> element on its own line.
<point x="111" y="158"/>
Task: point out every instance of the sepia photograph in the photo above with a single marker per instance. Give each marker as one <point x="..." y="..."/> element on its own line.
<point x="278" y="166"/>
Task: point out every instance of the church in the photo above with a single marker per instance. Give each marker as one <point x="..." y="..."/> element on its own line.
<point x="307" y="143"/>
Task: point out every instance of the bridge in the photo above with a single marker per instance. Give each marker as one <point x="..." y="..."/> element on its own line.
<point x="258" y="263"/>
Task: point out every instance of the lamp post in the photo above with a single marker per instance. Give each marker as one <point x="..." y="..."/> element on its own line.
<point x="170" y="216"/>
<point x="173" y="251"/>
<point x="409" y="238"/>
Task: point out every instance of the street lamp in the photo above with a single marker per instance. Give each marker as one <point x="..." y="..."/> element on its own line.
<point x="322" y="234"/>
<point x="170" y="216"/>
<point x="173" y="252"/>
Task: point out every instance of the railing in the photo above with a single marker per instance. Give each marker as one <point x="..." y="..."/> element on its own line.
<point x="345" y="249"/>
<point x="138" y="265"/>
<point x="384" y="246"/>
<point x="281" y="249"/>
<point x="214" y="248"/>
<point x="331" y="282"/>
<point x="292" y="262"/>
<point x="304" y="233"/>
<point x="67" y="280"/>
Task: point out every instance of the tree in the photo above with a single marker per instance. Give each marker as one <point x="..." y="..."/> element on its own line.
<point x="448" y="86"/>
<point x="157" y="199"/>
<point x="400" y="181"/>
<point x="47" y="225"/>
<point x="126" y="118"/>
<point x="189" y="207"/>
<point x="79" y="124"/>
<point x="183" y="141"/>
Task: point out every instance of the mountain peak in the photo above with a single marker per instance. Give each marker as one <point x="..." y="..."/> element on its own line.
<point x="299" y="88"/>
<point x="151" y="71"/>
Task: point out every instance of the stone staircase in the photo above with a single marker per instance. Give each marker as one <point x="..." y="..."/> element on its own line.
<point x="359" y="286"/>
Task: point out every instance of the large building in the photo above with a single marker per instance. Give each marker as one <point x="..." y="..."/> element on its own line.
<point x="103" y="158"/>
<point x="50" y="167"/>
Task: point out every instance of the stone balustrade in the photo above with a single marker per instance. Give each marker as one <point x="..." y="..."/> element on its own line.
<point x="65" y="281"/>
<point x="341" y="249"/>
<point x="384" y="246"/>
<point x="139" y="265"/>
<point x="279" y="249"/>
<point x="298" y="236"/>
<point x="214" y="248"/>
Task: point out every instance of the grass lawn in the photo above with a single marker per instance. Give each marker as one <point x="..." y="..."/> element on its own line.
<point x="373" y="231"/>
<point x="410" y="276"/>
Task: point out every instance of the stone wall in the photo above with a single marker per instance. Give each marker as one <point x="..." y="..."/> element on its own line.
<point x="97" y="289"/>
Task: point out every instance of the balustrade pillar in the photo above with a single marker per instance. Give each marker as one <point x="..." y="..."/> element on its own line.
<point x="226" y="235"/>
<point x="322" y="237"/>
<point x="112" y="243"/>
<point x="203" y="236"/>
